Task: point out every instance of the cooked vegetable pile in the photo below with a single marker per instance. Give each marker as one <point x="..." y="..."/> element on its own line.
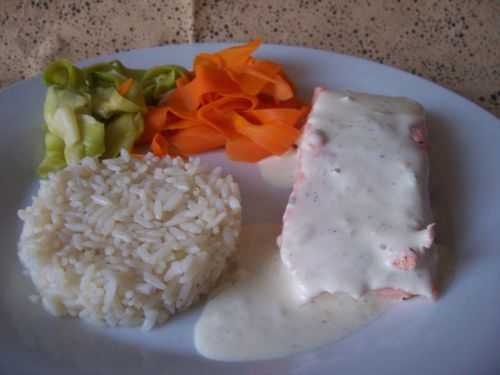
<point x="98" y="110"/>
<point x="233" y="100"/>
<point x="230" y="100"/>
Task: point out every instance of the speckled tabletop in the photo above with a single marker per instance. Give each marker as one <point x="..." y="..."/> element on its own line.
<point x="455" y="43"/>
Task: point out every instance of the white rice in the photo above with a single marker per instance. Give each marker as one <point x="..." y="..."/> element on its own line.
<point x="129" y="242"/>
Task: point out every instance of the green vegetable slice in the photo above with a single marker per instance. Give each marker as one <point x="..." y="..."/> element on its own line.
<point x="93" y="134"/>
<point x="159" y="80"/>
<point x="107" y="102"/>
<point x="54" y="155"/>
<point x="107" y="79"/>
<point x="64" y="74"/>
<point x="110" y="74"/>
<point x="122" y="132"/>
<point x="136" y="95"/>
<point x="57" y="98"/>
<point x="64" y="124"/>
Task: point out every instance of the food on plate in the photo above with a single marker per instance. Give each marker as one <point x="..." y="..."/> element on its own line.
<point x="132" y="239"/>
<point x="98" y="110"/>
<point x="129" y="241"/>
<point x="232" y="100"/>
<point x="359" y="216"/>
<point x="357" y="228"/>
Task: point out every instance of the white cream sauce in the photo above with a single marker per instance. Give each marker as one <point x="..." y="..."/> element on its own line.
<point x="361" y="202"/>
<point x="258" y="315"/>
<point x="279" y="171"/>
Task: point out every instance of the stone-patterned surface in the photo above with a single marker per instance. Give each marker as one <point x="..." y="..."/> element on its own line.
<point x="452" y="42"/>
<point x="455" y="43"/>
<point x="32" y="33"/>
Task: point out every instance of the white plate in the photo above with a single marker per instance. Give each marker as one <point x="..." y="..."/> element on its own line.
<point x="459" y="334"/>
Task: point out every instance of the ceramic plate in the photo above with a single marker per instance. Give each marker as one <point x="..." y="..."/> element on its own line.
<point x="458" y="334"/>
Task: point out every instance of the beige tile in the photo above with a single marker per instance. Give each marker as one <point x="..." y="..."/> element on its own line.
<point x="35" y="32"/>
<point x="454" y="43"/>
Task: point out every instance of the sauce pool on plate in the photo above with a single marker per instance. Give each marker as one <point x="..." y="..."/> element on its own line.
<point x="257" y="314"/>
<point x="279" y="171"/>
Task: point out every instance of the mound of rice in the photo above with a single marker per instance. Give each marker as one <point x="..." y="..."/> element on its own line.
<point x="129" y="242"/>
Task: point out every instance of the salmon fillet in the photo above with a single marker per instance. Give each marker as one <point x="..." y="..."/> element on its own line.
<point x="359" y="217"/>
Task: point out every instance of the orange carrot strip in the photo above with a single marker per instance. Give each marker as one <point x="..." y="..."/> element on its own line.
<point x="208" y="59"/>
<point x="182" y="124"/>
<point x="240" y="148"/>
<point x="259" y="74"/>
<point x="266" y="67"/>
<point x="276" y="138"/>
<point x="208" y="79"/>
<point x="218" y="114"/>
<point x="125" y="86"/>
<point x="255" y="76"/>
<point x="183" y="80"/>
<point x="288" y="116"/>
<point x="154" y="121"/>
<point x="197" y="139"/>
<point x="279" y="88"/>
<point x="209" y="97"/>
<point x="157" y="119"/>
<point x="218" y="120"/>
<point x="235" y="57"/>
<point x="159" y="145"/>
<point x="232" y="57"/>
